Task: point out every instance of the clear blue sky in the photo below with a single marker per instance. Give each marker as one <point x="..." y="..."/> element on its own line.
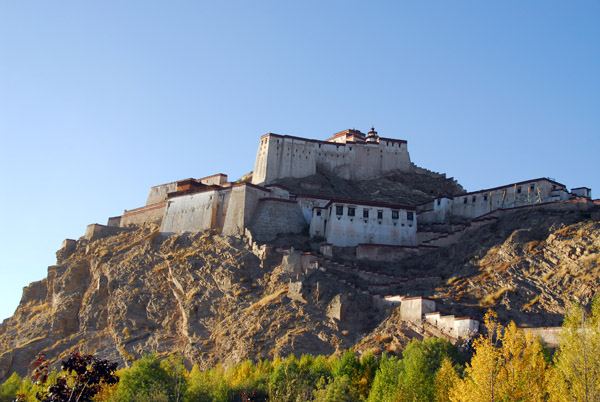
<point x="99" y="100"/>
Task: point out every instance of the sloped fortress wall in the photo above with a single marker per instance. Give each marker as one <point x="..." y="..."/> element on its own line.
<point x="477" y="203"/>
<point x="227" y="209"/>
<point x="191" y="213"/>
<point x="277" y="216"/>
<point x="282" y="156"/>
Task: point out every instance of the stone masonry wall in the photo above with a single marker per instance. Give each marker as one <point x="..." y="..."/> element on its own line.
<point x="274" y="216"/>
<point x="146" y="214"/>
<point x="190" y="213"/>
<point x="281" y="156"/>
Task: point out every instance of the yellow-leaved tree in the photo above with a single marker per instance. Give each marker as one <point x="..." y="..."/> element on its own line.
<point x="576" y="373"/>
<point x="507" y="365"/>
<point x="445" y="378"/>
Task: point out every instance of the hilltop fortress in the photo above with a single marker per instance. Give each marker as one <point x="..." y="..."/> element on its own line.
<point x="349" y="154"/>
<point x="263" y="209"/>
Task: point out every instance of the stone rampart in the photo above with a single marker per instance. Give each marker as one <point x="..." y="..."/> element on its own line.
<point x="114" y="221"/>
<point x="159" y="193"/>
<point x="384" y="252"/>
<point x="414" y="308"/>
<point x="146" y="214"/>
<point x="190" y="213"/>
<point x="96" y="231"/>
<point x="276" y="216"/>
<point x="282" y="156"/>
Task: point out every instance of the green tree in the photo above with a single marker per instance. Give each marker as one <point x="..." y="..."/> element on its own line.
<point x="10" y="388"/>
<point x="420" y="362"/>
<point x="368" y="370"/>
<point x="177" y="375"/>
<point x="150" y="380"/>
<point x="386" y="382"/>
<point x="289" y="382"/>
<point x="576" y="375"/>
<point x="340" y="389"/>
<point x="208" y="386"/>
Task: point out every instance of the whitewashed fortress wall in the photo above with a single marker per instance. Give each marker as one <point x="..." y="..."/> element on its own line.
<point x="474" y="204"/>
<point x="228" y="209"/>
<point x="349" y="223"/>
<point x="281" y="156"/>
<point x="268" y="210"/>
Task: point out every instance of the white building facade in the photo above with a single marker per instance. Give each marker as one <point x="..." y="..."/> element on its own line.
<point x="349" y="154"/>
<point x="348" y="223"/>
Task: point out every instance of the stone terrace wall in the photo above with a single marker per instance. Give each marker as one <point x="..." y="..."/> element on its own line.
<point x="384" y="252"/>
<point x="190" y="213"/>
<point x="159" y="193"/>
<point x="274" y="216"/>
<point x="146" y="214"/>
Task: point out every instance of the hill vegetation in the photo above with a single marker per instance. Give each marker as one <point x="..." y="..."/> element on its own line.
<point x="506" y="364"/>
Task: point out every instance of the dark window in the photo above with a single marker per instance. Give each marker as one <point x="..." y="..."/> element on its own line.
<point x="395" y="214"/>
<point x="318" y="212"/>
<point x="365" y="213"/>
<point x="351" y="211"/>
<point x="339" y="210"/>
<point x="465" y="200"/>
<point x="485" y="197"/>
<point x="439" y="202"/>
<point x="474" y="198"/>
<point x="519" y="190"/>
<point x="531" y="187"/>
<point x="379" y="214"/>
<point x="409" y="216"/>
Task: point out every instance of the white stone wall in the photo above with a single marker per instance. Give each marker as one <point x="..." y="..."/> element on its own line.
<point x="472" y="205"/>
<point x="463" y="327"/>
<point x="446" y="324"/>
<point x="146" y="214"/>
<point x="278" y="192"/>
<point x="285" y="156"/>
<point x="307" y="205"/>
<point x="252" y="200"/>
<point x="190" y="213"/>
<point x="435" y="211"/>
<point x="215" y="179"/>
<point x="222" y="211"/>
<point x="582" y="192"/>
<point x="433" y="318"/>
<point x="413" y="308"/>
<point x="346" y="230"/>
<point x="275" y="216"/>
<point x="478" y="203"/>
<point x="159" y="193"/>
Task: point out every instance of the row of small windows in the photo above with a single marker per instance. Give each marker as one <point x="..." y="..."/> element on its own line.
<point x="339" y="210"/>
<point x="485" y="196"/>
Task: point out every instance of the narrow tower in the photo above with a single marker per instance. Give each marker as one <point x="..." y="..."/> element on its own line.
<point x="373" y="137"/>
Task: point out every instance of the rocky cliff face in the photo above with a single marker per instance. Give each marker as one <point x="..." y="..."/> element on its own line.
<point x="204" y="295"/>
<point x="528" y="266"/>
<point x="216" y="299"/>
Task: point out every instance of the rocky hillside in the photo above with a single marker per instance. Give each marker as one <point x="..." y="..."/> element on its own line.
<point x="204" y="295"/>
<point x="216" y="299"/>
<point x="406" y="188"/>
<point x="527" y="266"/>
